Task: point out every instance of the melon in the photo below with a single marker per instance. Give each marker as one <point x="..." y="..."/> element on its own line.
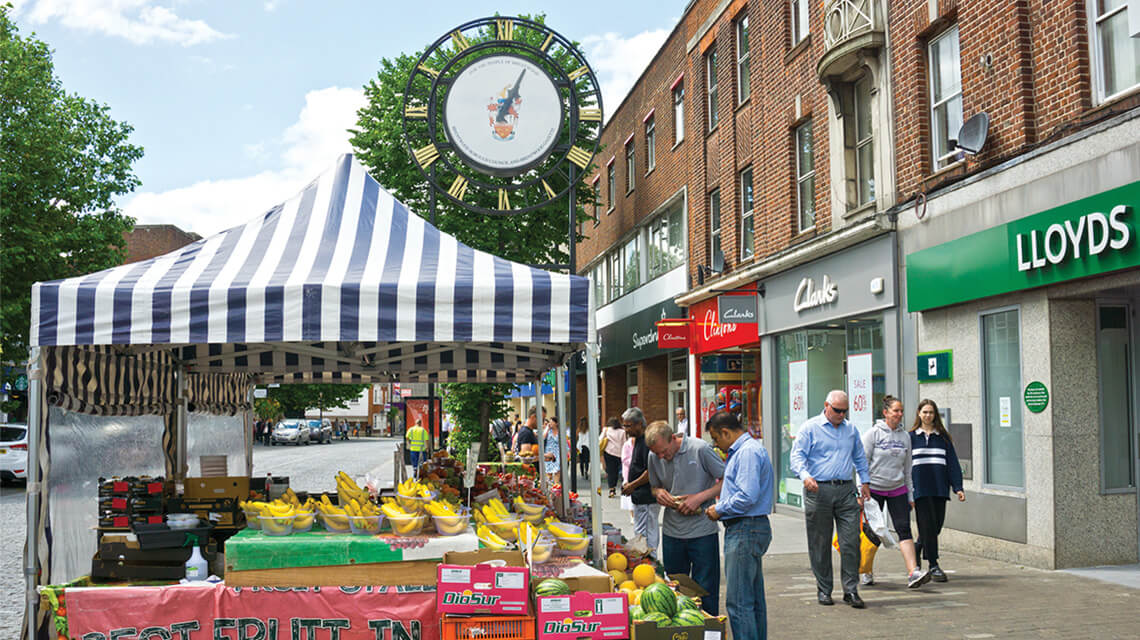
<point x="659" y="598"/>
<point x="617" y="562"/>
<point x="689" y="618"/>
<point x="685" y="602"/>
<point x="552" y="587"/>
<point x="618" y="576"/>
<point x="636" y="612"/>
<point x="661" y="619"/>
<point x="644" y="575"/>
<point x="628" y="585"/>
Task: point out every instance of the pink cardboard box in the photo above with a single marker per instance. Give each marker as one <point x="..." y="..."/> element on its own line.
<point x="482" y="589"/>
<point x="583" y="615"/>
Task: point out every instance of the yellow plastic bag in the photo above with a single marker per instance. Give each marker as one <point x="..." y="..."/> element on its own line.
<point x="867" y="551"/>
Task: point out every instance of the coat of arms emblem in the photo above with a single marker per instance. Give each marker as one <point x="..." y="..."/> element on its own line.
<point x="503" y="111"/>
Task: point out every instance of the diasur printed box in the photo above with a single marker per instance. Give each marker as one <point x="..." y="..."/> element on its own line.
<point x="596" y="616"/>
<point x="482" y="589"/>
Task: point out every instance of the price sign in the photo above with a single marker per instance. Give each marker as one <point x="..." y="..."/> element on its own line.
<point x="472" y="464"/>
<point x="859" y="372"/>
<point x="797" y="390"/>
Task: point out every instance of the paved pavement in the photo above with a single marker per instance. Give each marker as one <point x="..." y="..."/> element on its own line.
<point x="12" y="519"/>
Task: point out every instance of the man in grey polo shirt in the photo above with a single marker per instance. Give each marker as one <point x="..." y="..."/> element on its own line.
<point x="685" y="475"/>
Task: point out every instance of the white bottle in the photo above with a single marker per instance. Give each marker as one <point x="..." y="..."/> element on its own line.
<point x="196" y="567"/>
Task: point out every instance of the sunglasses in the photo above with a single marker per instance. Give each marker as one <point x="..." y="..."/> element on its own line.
<point x="837" y="410"/>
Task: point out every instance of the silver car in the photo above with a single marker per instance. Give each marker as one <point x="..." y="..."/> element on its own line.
<point x="290" y="432"/>
<point x="321" y="431"/>
<point x="13" y="452"/>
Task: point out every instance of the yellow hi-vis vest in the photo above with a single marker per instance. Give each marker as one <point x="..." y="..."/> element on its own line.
<point x="417" y="438"/>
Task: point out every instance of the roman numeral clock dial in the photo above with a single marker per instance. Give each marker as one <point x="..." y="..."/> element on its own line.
<point x="502" y="115"/>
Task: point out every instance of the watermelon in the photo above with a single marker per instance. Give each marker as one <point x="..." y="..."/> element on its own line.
<point x="552" y="587"/>
<point x="689" y="618"/>
<point x="636" y="612"/>
<point x="685" y="602"/>
<point x="660" y="598"/>
<point x="661" y="619"/>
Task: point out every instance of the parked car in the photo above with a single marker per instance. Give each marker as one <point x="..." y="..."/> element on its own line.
<point x="13" y="452"/>
<point x="321" y="431"/>
<point x="290" y="432"/>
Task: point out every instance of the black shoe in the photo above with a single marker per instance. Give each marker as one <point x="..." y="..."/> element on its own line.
<point x="937" y="574"/>
<point x="825" y="599"/>
<point x="854" y="600"/>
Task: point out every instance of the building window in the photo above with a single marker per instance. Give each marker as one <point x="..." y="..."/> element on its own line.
<point x="863" y="143"/>
<point x="1001" y="388"/>
<point x="711" y="83"/>
<point x="799" y="13"/>
<point x="1114" y="372"/>
<point x="716" y="251"/>
<point x="631" y="259"/>
<point x="1116" y="55"/>
<point x="599" y="277"/>
<point x="805" y="177"/>
<point x="746" y="215"/>
<point x="650" y="144"/>
<point x="742" y="79"/>
<point x="597" y="200"/>
<point x="615" y="274"/>
<point x="612" y="186"/>
<point x="945" y="95"/>
<point x="666" y="249"/>
<point x="630" y="166"/>
<point x="678" y="114"/>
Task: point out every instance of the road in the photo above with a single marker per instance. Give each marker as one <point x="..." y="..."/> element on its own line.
<point x="311" y="468"/>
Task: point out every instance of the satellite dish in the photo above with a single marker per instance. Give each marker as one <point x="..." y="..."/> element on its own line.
<point x="972" y="135"/>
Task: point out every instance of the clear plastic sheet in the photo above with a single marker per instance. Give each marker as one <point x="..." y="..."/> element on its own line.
<point x="83" y="449"/>
<point x="210" y="435"/>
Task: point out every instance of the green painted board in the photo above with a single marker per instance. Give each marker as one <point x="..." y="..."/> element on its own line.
<point x="249" y="549"/>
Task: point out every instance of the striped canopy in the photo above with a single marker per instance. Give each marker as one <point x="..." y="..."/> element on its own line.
<point x="341" y="282"/>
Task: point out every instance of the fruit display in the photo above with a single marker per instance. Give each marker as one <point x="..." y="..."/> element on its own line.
<point x="685" y="602"/>
<point x="552" y="587"/>
<point x="495" y="516"/>
<point x="661" y="619"/>
<point x="659" y="598"/>
<point x="412" y="495"/>
<point x="334" y="518"/>
<point x="282" y="516"/>
<point x="347" y="490"/>
<point x="688" y="618"/>
<point x="449" y="520"/>
<point x="491" y="539"/>
<point x="533" y="513"/>
<point x="405" y="522"/>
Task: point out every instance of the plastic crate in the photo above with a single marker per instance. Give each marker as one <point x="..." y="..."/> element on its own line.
<point x="487" y="628"/>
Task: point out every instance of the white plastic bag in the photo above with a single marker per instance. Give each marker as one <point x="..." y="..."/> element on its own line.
<point x="877" y="521"/>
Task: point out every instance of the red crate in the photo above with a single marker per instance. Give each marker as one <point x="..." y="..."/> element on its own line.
<point x="487" y="628"/>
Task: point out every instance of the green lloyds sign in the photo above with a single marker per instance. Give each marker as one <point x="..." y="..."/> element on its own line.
<point x="1088" y="237"/>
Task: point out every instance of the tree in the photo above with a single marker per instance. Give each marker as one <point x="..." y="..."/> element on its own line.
<point x="472" y="407"/>
<point x="65" y="161"/>
<point x="295" y="399"/>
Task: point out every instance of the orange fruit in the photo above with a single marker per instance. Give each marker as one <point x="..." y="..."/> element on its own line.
<point x="644" y="575"/>
<point x="617" y="562"/>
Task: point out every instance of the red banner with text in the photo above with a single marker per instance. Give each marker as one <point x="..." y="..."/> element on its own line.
<point x="214" y="612"/>
<point x="709" y="335"/>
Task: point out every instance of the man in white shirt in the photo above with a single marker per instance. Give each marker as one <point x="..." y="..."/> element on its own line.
<point x="682" y="422"/>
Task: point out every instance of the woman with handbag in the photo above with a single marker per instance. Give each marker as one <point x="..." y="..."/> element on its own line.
<point x="936" y="471"/>
<point x="888" y="449"/>
<point x="613" y="439"/>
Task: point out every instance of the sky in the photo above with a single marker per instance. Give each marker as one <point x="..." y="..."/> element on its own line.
<point x="238" y="104"/>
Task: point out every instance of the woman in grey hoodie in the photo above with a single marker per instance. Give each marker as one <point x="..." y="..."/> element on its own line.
<point x="887" y="445"/>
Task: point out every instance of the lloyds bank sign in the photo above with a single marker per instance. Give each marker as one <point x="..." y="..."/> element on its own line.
<point x="1088" y="237"/>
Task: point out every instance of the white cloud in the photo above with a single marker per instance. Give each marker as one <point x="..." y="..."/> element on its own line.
<point x="619" y="61"/>
<point x="137" y="21"/>
<point x="305" y="148"/>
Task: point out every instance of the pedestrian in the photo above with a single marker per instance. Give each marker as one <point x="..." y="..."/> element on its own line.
<point x="646" y="511"/>
<point x="258" y="426"/>
<point x="269" y="425"/>
<point x="501" y="432"/>
<point x="826" y="452"/>
<point x="682" y="422"/>
<point x="551" y="452"/>
<point x="887" y="447"/>
<point x="527" y="440"/>
<point x="583" y="448"/>
<point x="418" y="439"/>
<point x="685" y="478"/>
<point x="743" y="508"/>
<point x="936" y="471"/>
<point x="613" y="440"/>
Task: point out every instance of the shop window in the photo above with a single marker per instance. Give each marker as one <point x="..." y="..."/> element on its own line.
<point x="1116" y="55"/>
<point x="742" y="79"/>
<point x="1001" y="390"/>
<point x="650" y="144"/>
<point x="862" y="142"/>
<point x="631" y="258"/>
<point x="615" y="273"/>
<point x="731" y="382"/>
<point x="666" y="249"/>
<point x="716" y="251"/>
<point x="630" y="166"/>
<point x="678" y="114"/>
<point x="1114" y="372"/>
<point x="612" y="185"/>
<point x="711" y="85"/>
<point x="631" y="385"/>
<point x="805" y="177"/>
<point x="799" y="22"/>
<point x="747" y="217"/>
<point x="598" y="275"/>
<point x="678" y="369"/>
<point x="945" y="68"/>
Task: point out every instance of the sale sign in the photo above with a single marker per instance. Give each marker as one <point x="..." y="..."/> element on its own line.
<point x="797" y="395"/>
<point x="859" y="390"/>
<point x="216" y="612"/>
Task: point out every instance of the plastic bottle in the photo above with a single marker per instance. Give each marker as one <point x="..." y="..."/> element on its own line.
<point x="196" y="567"/>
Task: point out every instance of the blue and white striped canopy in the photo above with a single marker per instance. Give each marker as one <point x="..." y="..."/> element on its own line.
<point x="339" y="282"/>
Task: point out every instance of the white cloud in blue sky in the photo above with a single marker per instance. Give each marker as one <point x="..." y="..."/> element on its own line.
<point x="138" y="21"/>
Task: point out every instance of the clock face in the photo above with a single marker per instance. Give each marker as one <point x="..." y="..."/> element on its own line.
<point x="503" y="113"/>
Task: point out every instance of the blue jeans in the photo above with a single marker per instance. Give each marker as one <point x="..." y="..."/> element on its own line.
<point x="745" y="542"/>
<point x="698" y="558"/>
<point x="416" y="459"/>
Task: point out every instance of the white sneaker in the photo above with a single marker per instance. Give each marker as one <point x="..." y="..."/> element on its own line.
<point x="866" y="579"/>
<point x="917" y="578"/>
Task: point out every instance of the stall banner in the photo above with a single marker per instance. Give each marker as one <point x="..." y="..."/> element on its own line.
<point x="216" y="612"/>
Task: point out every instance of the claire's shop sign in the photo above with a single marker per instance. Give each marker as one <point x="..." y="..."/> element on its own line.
<point x="1085" y="238"/>
<point x="636" y="337"/>
<point x="709" y="334"/>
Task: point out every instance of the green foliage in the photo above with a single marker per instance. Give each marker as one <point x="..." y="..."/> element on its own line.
<point x="462" y="401"/>
<point x="268" y="409"/>
<point x="295" y="399"/>
<point x="64" y="162"/>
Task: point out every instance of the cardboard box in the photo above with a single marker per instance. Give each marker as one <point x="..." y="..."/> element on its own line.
<point x="713" y="629"/>
<point x="466" y="587"/>
<point x="593" y="611"/>
<point x="236" y="487"/>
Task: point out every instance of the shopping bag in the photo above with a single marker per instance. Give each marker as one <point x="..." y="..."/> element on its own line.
<point x="877" y="521"/>
<point x="867" y="550"/>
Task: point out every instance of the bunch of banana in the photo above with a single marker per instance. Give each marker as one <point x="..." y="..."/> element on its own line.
<point x="568" y="537"/>
<point x="276" y="516"/>
<point x="533" y="510"/>
<point x="335" y="518"/>
<point x="365" y="513"/>
<point x="491" y="539"/>
<point x="501" y="521"/>
<point x="403" y="522"/>
<point x="446" y="519"/>
<point x="347" y="489"/>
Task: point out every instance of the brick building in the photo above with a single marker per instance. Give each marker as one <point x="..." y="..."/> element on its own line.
<point x="148" y="241"/>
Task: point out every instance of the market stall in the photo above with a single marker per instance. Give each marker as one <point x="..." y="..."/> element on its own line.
<point x="341" y="284"/>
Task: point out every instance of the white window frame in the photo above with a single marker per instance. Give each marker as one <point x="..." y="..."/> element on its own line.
<point x="985" y="471"/>
<point x="712" y="86"/>
<point x="802" y="177"/>
<point x="650" y="143"/>
<point x="942" y="158"/>
<point x="800" y="26"/>
<point x="611" y="184"/>
<point x="743" y="81"/>
<point x="747" y="218"/>
<point x="632" y="244"/>
<point x="1097" y="51"/>
<point x="716" y="225"/>
<point x="862" y="142"/>
<point x="679" y="113"/>
<point x="630" y="166"/>
<point x="597" y="185"/>
<point x="615" y="273"/>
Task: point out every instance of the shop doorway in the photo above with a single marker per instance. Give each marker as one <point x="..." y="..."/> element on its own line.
<point x="1120" y="449"/>
<point x="679" y="389"/>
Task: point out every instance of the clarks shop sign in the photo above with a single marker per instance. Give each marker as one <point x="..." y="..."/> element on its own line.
<point x="634" y="337"/>
<point x="1088" y="237"/>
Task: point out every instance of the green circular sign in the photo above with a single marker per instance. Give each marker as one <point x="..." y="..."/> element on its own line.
<point x="1036" y="397"/>
<point x="21" y="382"/>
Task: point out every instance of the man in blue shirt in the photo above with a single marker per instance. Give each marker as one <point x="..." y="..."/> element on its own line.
<point x="743" y="507"/>
<point x="826" y="453"/>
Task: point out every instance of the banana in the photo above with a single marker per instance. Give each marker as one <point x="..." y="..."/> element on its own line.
<point x="491" y="539"/>
<point x="557" y="528"/>
<point x="575" y="544"/>
<point x="303" y="520"/>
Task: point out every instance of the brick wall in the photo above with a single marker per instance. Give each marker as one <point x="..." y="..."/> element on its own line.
<point x="148" y="241"/>
<point x="653" y="389"/>
<point x="614" y="392"/>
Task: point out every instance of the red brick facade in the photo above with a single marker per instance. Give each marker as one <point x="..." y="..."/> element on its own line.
<point x="148" y="241"/>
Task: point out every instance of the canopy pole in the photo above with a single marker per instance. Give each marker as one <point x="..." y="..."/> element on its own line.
<point x="595" y="473"/>
<point x="36" y="430"/>
<point x="563" y="451"/>
<point x="541" y="465"/>
<point x="181" y="418"/>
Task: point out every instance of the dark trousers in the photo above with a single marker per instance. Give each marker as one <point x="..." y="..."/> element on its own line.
<point x="833" y="504"/>
<point x="930" y="513"/>
<point x="613" y="470"/>
<point x="899" y="508"/>
<point x="584" y="461"/>
<point x="698" y="558"/>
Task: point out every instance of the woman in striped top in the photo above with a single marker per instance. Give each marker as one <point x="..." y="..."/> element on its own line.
<point x="935" y="471"/>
